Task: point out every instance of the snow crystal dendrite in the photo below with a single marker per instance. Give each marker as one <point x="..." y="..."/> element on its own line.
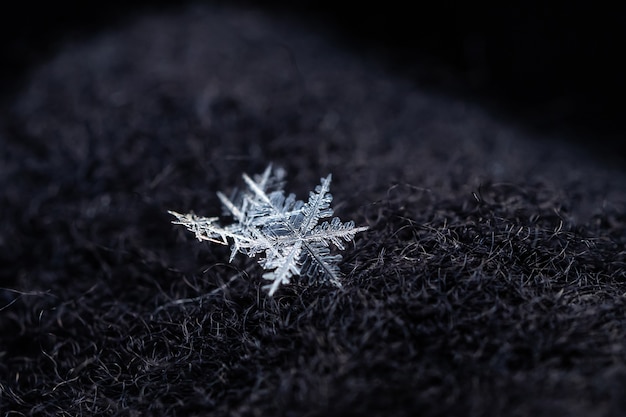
<point x="286" y="232"/>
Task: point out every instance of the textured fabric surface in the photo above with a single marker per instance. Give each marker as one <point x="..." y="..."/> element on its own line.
<point x="492" y="280"/>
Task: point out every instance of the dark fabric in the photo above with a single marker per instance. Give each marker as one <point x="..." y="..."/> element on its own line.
<point x="492" y="280"/>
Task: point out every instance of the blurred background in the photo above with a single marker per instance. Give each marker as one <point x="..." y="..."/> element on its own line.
<point x="491" y="278"/>
<point x="552" y="67"/>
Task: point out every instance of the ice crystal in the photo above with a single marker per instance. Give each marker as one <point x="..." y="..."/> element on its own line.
<point x="286" y="233"/>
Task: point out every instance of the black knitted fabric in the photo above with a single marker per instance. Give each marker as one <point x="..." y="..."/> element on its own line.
<point x="492" y="280"/>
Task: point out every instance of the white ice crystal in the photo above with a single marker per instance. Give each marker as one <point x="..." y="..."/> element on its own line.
<point x="286" y="232"/>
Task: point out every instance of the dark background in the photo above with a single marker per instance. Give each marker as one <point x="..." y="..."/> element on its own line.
<point x="491" y="279"/>
<point x="553" y="67"/>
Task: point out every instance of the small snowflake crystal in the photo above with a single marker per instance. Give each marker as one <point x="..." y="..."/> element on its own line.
<point x="285" y="231"/>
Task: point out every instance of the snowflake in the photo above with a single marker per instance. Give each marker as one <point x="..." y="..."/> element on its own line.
<point x="284" y="231"/>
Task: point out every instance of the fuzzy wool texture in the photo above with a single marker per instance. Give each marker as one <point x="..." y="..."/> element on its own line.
<point x="491" y="281"/>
